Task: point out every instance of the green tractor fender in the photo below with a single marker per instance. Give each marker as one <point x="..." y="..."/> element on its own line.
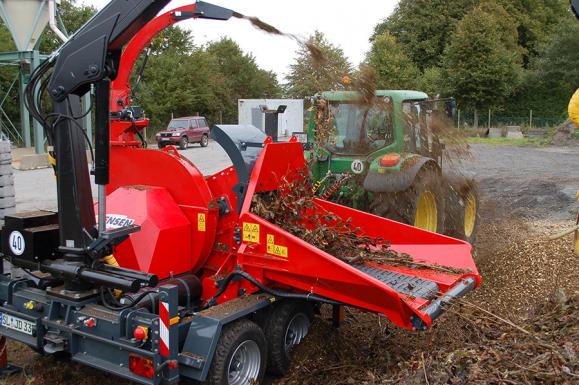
<point x="398" y="177"/>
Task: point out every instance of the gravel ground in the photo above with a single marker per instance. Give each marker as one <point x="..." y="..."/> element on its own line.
<point x="529" y="182"/>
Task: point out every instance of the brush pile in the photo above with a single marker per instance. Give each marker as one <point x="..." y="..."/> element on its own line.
<point x="292" y="208"/>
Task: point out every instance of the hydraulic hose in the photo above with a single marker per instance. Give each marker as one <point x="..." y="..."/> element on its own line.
<point x="276" y="293"/>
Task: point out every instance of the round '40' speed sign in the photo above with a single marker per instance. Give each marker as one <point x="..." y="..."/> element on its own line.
<point x="16" y="242"/>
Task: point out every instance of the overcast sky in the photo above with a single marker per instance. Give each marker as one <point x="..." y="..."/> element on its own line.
<point x="348" y="24"/>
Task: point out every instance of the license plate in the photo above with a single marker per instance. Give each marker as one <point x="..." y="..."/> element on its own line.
<point x="165" y="139"/>
<point x="18" y="324"/>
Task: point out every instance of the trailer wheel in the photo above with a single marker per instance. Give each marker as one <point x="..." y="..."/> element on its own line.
<point x="286" y="326"/>
<point x="183" y="143"/>
<point x="462" y="215"/>
<point x="241" y="355"/>
<point x="204" y="140"/>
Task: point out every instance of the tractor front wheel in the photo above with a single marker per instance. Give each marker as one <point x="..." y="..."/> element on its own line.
<point x="286" y="326"/>
<point x="241" y="355"/>
<point x="462" y="217"/>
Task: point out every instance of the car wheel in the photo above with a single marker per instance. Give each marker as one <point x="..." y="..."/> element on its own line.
<point x="183" y="143"/>
<point x="160" y="145"/>
<point x="204" y="140"/>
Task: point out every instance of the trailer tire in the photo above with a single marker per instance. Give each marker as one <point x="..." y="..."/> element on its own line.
<point x="421" y="205"/>
<point x="462" y="215"/>
<point x="285" y="327"/>
<point x="240" y="356"/>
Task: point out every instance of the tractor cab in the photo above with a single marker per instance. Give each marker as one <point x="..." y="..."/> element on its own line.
<point x="385" y="156"/>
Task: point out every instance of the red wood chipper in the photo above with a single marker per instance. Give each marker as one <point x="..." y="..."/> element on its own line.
<point x="176" y="276"/>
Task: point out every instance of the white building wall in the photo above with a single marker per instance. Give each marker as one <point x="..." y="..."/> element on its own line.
<point x="292" y="120"/>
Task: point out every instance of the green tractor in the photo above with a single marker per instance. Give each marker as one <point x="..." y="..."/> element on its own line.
<point x="386" y="157"/>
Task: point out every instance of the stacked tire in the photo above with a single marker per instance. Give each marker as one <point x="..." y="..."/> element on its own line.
<point x="7" y="196"/>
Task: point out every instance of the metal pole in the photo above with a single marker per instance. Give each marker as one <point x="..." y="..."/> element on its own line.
<point x="38" y="130"/>
<point x="102" y="198"/>
<point x="458" y="119"/>
<point x="489" y="118"/>
<point x="530" y="118"/>
<point x="87" y="120"/>
<point x="24" y="115"/>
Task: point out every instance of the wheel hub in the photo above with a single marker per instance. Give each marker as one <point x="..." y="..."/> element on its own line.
<point x="297" y="329"/>
<point x="469" y="213"/>
<point x="244" y="364"/>
<point x="426" y="216"/>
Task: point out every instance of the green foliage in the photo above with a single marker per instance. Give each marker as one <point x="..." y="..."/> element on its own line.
<point x="424" y="27"/>
<point x="7" y="76"/>
<point x="73" y="17"/>
<point x="309" y="75"/>
<point x="431" y="81"/>
<point x="481" y="67"/>
<point x="241" y="77"/>
<point x="394" y="69"/>
<point x="553" y="74"/>
<point x="201" y="80"/>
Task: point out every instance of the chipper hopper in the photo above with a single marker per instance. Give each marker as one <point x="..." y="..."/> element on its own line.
<point x="177" y="275"/>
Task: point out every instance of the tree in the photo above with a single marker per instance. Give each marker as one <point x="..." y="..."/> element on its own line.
<point x="480" y="67"/>
<point x="431" y="82"/>
<point x="241" y="77"/>
<point x="205" y="80"/>
<point x="423" y="27"/>
<point x="312" y="73"/>
<point x="73" y="17"/>
<point x="553" y="74"/>
<point x="189" y="87"/>
<point x="394" y="69"/>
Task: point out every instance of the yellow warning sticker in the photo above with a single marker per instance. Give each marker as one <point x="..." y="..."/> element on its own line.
<point x="201" y="219"/>
<point x="250" y="232"/>
<point x="272" y="248"/>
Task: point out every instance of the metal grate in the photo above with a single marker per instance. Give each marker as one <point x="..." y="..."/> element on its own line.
<point x="402" y="283"/>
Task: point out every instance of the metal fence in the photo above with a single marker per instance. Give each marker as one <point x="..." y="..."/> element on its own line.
<point x="489" y="119"/>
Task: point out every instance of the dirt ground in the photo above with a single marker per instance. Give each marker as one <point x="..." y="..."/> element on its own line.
<point x="520" y="327"/>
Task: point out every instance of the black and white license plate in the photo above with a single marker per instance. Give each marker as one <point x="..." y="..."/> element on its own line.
<point x="18" y="324"/>
<point x="165" y="139"/>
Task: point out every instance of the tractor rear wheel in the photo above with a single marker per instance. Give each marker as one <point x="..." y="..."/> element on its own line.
<point x="241" y="355"/>
<point x="421" y="205"/>
<point x="462" y="217"/>
<point x="286" y="326"/>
